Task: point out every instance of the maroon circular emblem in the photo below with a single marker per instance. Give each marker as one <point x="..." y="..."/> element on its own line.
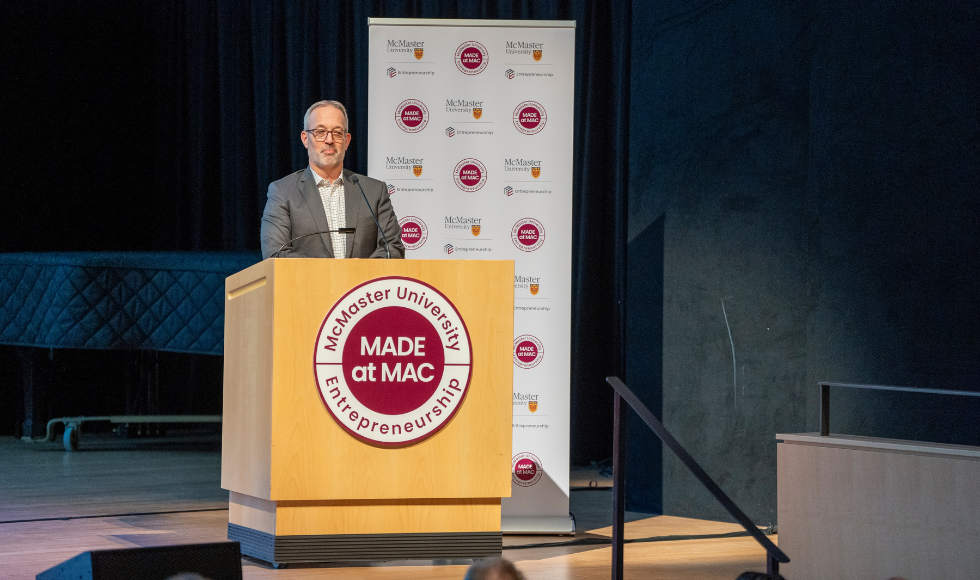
<point x="472" y="58"/>
<point x="526" y="469"/>
<point x="530" y="117"/>
<point x="414" y="232"/>
<point x="411" y="116"/>
<point x="393" y="361"/>
<point x="527" y="234"/>
<point x="528" y="351"/>
<point x="470" y="174"/>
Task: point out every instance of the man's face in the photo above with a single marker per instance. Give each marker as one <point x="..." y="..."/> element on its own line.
<point x="327" y="155"/>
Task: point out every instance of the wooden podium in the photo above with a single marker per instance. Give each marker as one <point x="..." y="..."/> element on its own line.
<point x="305" y="488"/>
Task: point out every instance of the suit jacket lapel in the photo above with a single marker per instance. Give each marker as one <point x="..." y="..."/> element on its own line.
<point x="353" y="204"/>
<point x="307" y="186"/>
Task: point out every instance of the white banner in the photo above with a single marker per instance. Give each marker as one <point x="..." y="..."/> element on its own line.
<point x="471" y="127"/>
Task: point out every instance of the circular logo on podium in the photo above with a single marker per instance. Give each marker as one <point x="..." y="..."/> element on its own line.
<point x="393" y="361"/>
<point x="526" y="469"/>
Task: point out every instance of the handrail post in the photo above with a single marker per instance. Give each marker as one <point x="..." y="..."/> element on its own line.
<point x="824" y="409"/>
<point x="619" y="485"/>
<point x="772" y="565"/>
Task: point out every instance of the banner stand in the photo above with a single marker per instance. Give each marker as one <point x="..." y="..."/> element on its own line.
<point x="471" y="128"/>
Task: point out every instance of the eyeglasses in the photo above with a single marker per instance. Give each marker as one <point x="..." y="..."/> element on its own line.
<point x="321" y="134"/>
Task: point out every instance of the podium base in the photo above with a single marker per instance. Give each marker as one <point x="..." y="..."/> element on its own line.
<point x="365" y="547"/>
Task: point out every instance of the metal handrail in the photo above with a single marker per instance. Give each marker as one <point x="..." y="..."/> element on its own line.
<point x="825" y="398"/>
<point x="774" y="556"/>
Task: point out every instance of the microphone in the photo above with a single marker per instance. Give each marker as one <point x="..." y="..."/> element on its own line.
<point x="337" y="231"/>
<point x="383" y="236"/>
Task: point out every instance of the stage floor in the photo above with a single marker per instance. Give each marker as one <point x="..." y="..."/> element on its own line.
<point x="119" y="493"/>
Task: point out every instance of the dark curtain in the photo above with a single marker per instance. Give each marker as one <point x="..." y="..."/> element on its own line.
<point x="173" y="117"/>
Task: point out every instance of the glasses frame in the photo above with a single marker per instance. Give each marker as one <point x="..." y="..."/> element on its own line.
<point x="331" y="132"/>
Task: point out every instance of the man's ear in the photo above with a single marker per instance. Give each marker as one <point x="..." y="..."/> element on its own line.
<point x="303" y="138"/>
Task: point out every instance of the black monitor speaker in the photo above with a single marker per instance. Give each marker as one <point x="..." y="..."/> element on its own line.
<point x="218" y="561"/>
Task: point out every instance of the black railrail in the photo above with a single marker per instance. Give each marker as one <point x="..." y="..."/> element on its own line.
<point x="825" y="398"/>
<point x="774" y="556"/>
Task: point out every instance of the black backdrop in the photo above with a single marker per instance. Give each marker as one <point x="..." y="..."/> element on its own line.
<point x="139" y="125"/>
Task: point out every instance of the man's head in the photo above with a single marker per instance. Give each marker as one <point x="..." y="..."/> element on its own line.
<point x="325" y="137"/>
<point x="493" y="569"/>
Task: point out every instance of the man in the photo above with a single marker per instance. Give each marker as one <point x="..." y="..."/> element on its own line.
<point x="325" y="196"/>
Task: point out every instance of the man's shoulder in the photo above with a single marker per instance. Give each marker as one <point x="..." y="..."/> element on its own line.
<point x="290" y="180"/>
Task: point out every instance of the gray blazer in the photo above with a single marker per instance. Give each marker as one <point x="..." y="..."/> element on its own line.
<point x="294" y="208"/>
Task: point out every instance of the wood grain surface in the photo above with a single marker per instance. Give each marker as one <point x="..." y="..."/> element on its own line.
<point x="313" y="458"/>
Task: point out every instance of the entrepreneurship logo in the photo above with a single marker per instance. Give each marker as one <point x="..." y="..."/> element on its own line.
<point x="392" y="72"/>
<point x="450" y="132"/>
<point x="391" y="189"/>
<point x="527" y="234"/>
<point x="508" y="191"/>
<point x="528" y="351"/>
<point x="470" y="174"/>
<point x="509" y="73"/>
<point x="530" y="117"/>
<point x="411" y="116"/>
<point x="526" y="469"/>
<point x="472" y="58"/>
<point x="414" y="232"/>
<point x="448" y="248"/>
<point x="393" y="361"/>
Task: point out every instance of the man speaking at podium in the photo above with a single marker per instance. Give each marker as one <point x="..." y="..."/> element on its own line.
<point x="326" y="211"/>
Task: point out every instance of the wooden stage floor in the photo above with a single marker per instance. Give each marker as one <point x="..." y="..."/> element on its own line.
<point x="117" y="493"/>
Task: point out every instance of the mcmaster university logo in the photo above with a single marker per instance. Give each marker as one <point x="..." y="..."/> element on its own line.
<point x="393" y="361"/>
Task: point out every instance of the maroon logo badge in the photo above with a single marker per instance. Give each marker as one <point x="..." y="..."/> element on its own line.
<point x="526" y="469"/>
<point x="393" y="361"/>
<point x="472" y="58"/>
<point x="528" y="351"/>
<point x="470" y="174"/>
<point x="527" y="234"/>
<point x="530" y="117"/>
<point x="414" y="232"/>
<point x="411" y="116"/>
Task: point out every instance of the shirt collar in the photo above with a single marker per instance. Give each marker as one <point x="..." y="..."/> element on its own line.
<point x="324" y="182"/>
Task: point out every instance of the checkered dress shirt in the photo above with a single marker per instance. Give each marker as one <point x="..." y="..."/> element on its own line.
<point x="332" y="196"/>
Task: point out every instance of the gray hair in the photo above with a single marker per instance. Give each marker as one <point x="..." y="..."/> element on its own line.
<point x="334" y="104"/>
<point x="493" y="569"/>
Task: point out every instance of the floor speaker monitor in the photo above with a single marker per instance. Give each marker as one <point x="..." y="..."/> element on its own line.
<point x="218" y="561"/>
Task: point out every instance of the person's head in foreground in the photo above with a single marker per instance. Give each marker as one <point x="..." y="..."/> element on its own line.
<point x="493" y="569"/>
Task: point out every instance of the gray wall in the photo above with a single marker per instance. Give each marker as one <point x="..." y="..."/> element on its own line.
<point x="815" y="168"/>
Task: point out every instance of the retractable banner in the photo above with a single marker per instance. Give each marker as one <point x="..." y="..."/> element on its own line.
<point x="471" y="127"/>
